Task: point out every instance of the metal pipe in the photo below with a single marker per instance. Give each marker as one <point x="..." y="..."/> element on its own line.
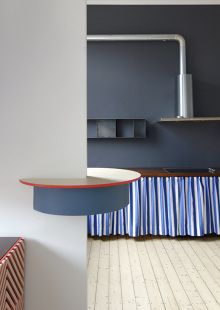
<point x="184" y="80"/>
<point x="185" y="96"/>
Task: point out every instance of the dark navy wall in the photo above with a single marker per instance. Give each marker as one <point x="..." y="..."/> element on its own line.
<point x="138" y="80"/>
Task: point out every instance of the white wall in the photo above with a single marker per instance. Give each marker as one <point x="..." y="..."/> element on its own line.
<point x="43" y="134"/>
<point x="153" y="2"/>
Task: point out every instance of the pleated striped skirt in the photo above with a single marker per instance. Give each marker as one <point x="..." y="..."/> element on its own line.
<point x="174" y="206"/>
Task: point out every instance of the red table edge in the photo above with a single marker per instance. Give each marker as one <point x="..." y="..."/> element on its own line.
<point x="79" y="186"/>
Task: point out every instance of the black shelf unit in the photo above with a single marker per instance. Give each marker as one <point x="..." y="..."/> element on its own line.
<point x="116" y="128"/>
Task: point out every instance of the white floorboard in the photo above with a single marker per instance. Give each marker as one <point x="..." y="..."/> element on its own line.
<point x="154" y="273"/>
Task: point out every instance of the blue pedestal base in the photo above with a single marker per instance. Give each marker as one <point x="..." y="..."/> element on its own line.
<point x="80" y="201"/>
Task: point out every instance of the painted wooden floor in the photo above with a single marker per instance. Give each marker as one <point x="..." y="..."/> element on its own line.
<point x="153" y="273"/>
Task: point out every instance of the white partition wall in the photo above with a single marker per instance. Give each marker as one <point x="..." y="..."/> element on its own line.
<point x="43" y="134"/>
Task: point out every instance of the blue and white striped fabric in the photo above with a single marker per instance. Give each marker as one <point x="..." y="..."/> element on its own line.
<point x="174" y="206"/>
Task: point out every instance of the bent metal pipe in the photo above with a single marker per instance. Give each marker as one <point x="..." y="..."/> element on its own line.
<point x="185" y="99"/>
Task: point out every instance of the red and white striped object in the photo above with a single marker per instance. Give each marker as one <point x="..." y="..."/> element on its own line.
<point x="12" y="278"/>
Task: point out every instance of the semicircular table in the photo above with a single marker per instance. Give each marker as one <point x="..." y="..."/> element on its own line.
<point x="103" y="190"/>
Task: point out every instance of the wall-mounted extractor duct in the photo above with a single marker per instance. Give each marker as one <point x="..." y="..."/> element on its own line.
<point x="185" y="98"/>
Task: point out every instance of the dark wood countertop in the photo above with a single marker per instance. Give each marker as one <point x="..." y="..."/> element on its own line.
<point x="160" y="172"/>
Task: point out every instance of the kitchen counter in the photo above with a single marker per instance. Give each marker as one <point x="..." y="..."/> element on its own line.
<point x="182" y="203"/>
<point x="161" y="172"/>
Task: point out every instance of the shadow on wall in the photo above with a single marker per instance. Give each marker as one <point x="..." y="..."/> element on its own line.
<point x="49" y="264"/>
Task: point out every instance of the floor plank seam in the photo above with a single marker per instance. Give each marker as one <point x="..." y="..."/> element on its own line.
<point x="187" y="271"/>
<point x="204" y="282"/>
<point x="177" y="275"/>
<point x="143" y="277"/>
<point x="131" y="274"/>
<point x="97" y="276"/>
<point x="155" y="276"/>
<point x="206" y="271"/>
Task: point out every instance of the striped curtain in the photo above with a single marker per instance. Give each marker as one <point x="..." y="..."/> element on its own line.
<point x="174" y="206"/>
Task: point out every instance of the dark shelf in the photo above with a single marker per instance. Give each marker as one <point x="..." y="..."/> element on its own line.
<point x="116" y="128"/>
<point x="106" y="128"/>
<point x="125" y="128"/>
